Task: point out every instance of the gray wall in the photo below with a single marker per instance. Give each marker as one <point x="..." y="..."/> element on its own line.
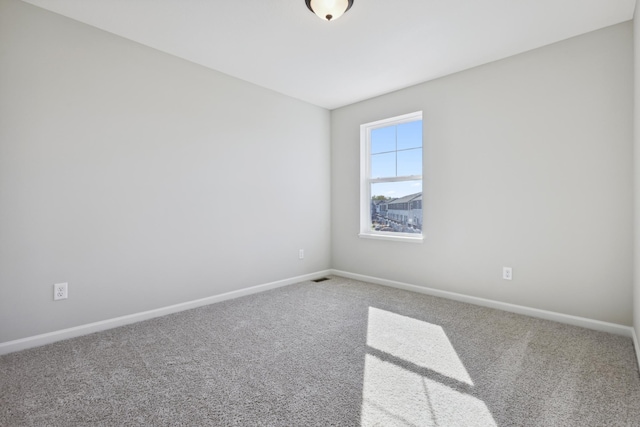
<point x="144" y="180"/>
<point x="527" y="164"/>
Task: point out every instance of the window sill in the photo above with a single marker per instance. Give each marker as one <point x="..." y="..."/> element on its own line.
<point x="393" y="237"/>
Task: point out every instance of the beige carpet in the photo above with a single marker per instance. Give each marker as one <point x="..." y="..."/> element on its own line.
<point x="339" y="352"/>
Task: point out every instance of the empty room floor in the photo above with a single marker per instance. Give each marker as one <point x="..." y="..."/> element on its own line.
<point x="339" y="352"/>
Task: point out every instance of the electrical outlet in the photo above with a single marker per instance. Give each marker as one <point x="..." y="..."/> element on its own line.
<point x="507" y="273"/>
<point x="301" y="254"/>
<point x="60" y="291"/>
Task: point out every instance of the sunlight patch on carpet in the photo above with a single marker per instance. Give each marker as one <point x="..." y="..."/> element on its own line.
<point x="421" y="343"/>
<point x="412" y="395"/>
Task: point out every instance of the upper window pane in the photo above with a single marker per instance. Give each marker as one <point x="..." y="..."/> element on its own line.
<point x="383" y="165"/>
<point x="396" y="150"/>
<point x="383" y="140"/>
<point x="410" y="162"/>
<point x="409" y="135"/>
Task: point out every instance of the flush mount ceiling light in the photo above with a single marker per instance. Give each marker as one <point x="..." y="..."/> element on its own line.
<point x="329" y="10"/>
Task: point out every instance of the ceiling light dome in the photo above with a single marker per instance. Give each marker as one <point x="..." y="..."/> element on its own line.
<point x="329" y="10"/>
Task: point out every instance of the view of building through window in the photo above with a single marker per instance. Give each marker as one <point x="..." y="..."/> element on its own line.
<point x="400" y="215"/>
<point x="396" y="178"/>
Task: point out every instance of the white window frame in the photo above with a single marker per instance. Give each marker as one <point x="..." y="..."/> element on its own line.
<point x="366" y="181"/>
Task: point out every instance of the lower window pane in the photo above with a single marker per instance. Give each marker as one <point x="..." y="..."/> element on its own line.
<point x="396" y="207"/>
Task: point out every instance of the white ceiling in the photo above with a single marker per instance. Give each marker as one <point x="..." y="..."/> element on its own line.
<point x="375" y="48"/>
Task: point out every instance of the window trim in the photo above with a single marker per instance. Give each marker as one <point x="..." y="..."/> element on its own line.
<point x="366" y="181"/>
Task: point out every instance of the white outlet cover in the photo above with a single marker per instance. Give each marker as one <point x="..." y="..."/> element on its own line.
<point x="507" y="273"/>
<point x="60" y="291"/>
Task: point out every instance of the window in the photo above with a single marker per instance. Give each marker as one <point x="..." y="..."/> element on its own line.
<point x="391" y="178"/>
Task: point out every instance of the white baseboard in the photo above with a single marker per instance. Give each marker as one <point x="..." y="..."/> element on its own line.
<point x="38" y="340"/>
<point x="597" y="325"/>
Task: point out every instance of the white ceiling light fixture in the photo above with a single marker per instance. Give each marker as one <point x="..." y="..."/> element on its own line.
<point x="329" y="10"/>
